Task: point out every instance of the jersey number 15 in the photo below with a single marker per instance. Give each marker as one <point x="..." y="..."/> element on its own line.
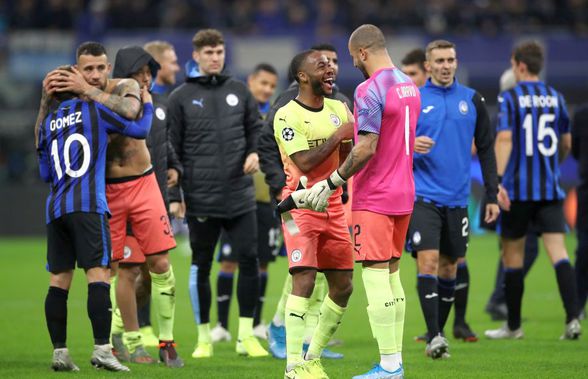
<point x="544" y="130"/>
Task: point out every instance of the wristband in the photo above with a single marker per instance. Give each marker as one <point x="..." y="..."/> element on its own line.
<point x="335" y="180"/>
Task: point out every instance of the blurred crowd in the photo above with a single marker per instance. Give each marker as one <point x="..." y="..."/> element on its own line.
<point x="488" y="17"/>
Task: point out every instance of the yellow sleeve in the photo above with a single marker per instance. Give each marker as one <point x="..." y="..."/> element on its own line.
<point x="289" y="133"/>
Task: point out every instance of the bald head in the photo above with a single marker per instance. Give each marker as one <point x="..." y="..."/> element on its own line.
<point x="368" y="37"/>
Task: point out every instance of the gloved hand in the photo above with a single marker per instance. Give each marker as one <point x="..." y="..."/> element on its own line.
<point x="318" y="195"/>
<point x="297" y="199"/>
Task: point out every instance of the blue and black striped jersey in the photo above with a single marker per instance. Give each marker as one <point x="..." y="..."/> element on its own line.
<point x="72" y="154"/>
<point x="536" y="115"/>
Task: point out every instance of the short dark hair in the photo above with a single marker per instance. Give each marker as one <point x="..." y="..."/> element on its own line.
<point x="530" y="53"/>
<point x="416" y="56"/>
<point x="324" y="47"/>
<point x="95" y="49"/>
<point x="265" y="67"/>
<point x="438" y="44"/>
<point x="63" y="96"/>
<point x="297" y="63"/>
<point x="207" y="37"/>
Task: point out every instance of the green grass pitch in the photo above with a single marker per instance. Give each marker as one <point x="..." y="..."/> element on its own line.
<point x="26" y="349"/>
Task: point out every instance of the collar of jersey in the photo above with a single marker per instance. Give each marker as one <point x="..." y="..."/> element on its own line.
<point x="309" y="108"/>
<point x="452" y="87"/>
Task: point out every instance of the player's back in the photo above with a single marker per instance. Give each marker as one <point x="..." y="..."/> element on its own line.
<point x="537" y="116"/>
<point x="72" y="149"/>
<point x="388" y="104"/>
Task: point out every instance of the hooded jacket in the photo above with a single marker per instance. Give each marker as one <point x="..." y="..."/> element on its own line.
<point x="214" y="125"/>
<point x="128" y="61"/>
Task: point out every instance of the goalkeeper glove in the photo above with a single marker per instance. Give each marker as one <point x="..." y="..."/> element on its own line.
<point x="318" y="195"/>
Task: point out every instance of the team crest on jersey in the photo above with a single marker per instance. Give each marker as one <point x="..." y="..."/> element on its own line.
<point x="416" y="238"/>
<point x="463" y="107"/>
<point x="335" y="120"/>
<point x="127" y="252"/>
<point x="288" y="134"/>
<point x="232" y="99"/>
<point x="296" y="256"/>
<point x="160" y="113"/>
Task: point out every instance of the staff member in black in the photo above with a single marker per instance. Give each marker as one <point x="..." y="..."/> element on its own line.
<point x="214" y="125"/>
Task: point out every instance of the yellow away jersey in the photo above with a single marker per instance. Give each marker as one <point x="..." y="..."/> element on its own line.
<point x="298" y="127"/>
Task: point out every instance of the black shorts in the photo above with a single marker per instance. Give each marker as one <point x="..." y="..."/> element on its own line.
<point x="432" y="227"/>
<point x="78" y="237"/>
<point x="269" y="237"/>
<point x="544" y="216"/>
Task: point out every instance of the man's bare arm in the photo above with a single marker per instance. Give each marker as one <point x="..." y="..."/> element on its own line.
<point x="43" y="110"/>
<point x="123" y="100"/>
<point x="503" y="148"/>
<point x="359" y="155"/>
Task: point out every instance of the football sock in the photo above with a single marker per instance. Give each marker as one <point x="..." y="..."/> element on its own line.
<point x="132" y="340"/>
<point x="329" y="320"/>
<point x="204" y="333"/>
<point x="314" y="306"/>
<point x="446" y="297"/>
<point x="117" y="326"/>
<point x="248" y="287"/>
<point x="245" y="327"/>
<point x="566" y="282"/>
<point x="56" y="316"/>
<point x="514" y="286"/>
<point x="163" y="295"/>
<point x="99" y="311"/>
<point x="462" y="285"/>
<point x="261" y="298"/>
<point x="200" y="294"/>
<point x="296" y="309"/>
<point x="144" y="314"/>
<point x="399" y="307"/>
<point x="429" y="299"/>
<point x="224" y="291"/>
<point x="279" y="316"/>
<point x="381" y="310"/>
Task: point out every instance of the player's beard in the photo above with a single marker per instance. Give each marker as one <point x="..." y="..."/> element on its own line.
<point x="317" y="87"/>
<point x="361" y="68"/>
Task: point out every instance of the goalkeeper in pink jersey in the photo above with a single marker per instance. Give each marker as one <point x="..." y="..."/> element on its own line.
<point x="386" y="109"/>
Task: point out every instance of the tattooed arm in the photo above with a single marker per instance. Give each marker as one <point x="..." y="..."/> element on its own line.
<point x="359" y="155"/>
<point x="124" y="99"/>
<point x="43" y="110"/>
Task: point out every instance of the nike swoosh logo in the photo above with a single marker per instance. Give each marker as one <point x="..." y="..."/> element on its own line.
<point x="295" y="315"/>
<point x="428" y="109"/>
<point x="431" y="295"/>
<point x="307" y="122"/>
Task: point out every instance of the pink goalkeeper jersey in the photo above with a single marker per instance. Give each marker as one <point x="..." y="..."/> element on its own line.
<point x="388" y="104"/>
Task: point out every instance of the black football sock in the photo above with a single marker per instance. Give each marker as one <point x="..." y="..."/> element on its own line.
<point x="446" y="298"/>
<point x="531" y="252"/>
<point x="99" y="311"/>
<point x="462" y="286"/>
<point x="224" y="293"/>
<point x="566" y="282"/>
<point x="56" y="316"/>
<point x="261" y="299"/>
<point x="429" y="298"/>
<point x="514" y="286"/>
<point x="248" y="287"/>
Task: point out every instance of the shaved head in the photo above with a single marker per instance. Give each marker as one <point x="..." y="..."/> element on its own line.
<point x="368" y="37"/>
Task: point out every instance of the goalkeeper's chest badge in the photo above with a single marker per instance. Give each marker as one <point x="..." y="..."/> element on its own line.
<point x="296" y="256"/>
<point x="335" y="120"/>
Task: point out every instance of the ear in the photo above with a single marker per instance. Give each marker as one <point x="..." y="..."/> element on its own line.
<point x="302" y="77"/>
<point x="108" y="67"/>
<point x="196" y="56"/>
<point x="427" y="66"/>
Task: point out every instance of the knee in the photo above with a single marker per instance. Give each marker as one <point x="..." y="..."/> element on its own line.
<point x="228" y="267"/>
<point x="159" y="263"/>
<point x="345" y="289"/>
<point x="129" y="272"/>
<point x="303" y="283"/>
<point x="428" y="263"/>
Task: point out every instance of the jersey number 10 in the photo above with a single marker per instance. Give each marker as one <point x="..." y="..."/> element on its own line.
<point x="543" y="130"/>
<point x="77" y="137"/>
